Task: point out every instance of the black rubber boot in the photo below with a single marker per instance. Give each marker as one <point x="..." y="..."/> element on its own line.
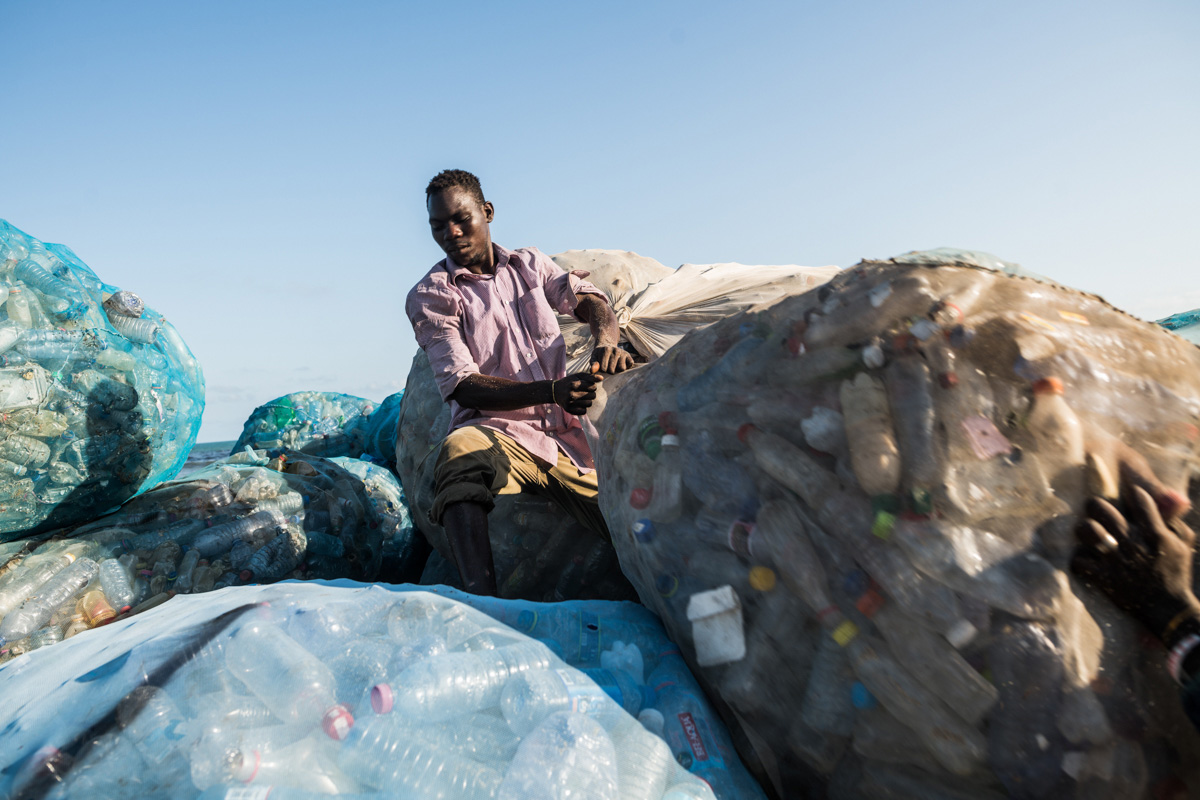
<point x="466" y="527"/>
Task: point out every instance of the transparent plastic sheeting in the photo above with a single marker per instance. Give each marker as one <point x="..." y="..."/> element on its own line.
<point x="325" y="424"/>
<point x="336" y="688"/>
<point x="1185" y="324"/>
<point x="853" y="510"/>
<point x="656" y="306"/>
<point x="99" y="396"/>
<point x="241" y="520"/>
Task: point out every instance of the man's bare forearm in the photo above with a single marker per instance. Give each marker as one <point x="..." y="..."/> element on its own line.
<point x="600" y="318"/>
<point x="488" y="393"/>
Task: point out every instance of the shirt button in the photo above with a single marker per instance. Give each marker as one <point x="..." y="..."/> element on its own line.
<point x="529" y="355"/>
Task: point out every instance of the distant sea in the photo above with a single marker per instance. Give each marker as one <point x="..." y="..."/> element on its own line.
<point x="203" y="454"/>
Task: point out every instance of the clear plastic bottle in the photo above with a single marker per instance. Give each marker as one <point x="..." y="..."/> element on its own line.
<point x="31" y="578"/>
<point x="568" y="756"/>
<point x="910" y="392"/>
<point x="533" y="696"/>
<point x="287" y="678"/>
<point x="264" y="756"/>
<point x="666" y="498"/>
<point x="24" y="450"/>
<point x="874" y="454"/>
<point x="220" y="538"/>
<point x="446" y="686"/>
<point x="95" y="608"/>
<point x="37" y="610"/>
<point x="17" y="306"/>
<point x="828" y="707"/>
<point x="144" y="331"/>
<point x="702" y="390"/>
<point x="186" y="571"/>
<point x="644" y="762"/>
<point x="390" y="753"/>
<point x="689" y="791"/>
<point x="1056" y="426"/>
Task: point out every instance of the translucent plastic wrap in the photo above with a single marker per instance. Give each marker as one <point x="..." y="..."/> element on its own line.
<point x="306" y="690"/>
<point x="656" y="306"/>
<point x="1185" y="324"/>
<point x="324" y="424"/>
<point x="241" y="520"/>
<point x="539" y="550"/>
<point x="99" y="396"/>
<point x="853" y="510"/>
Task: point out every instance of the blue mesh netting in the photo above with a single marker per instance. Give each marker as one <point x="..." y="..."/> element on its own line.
<point x="100" y="398"/>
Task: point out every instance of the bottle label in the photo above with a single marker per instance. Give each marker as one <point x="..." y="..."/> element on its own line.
<point x="696" y="732"/>
<point x="248" y="793"/>
<point x="584" y="695"/>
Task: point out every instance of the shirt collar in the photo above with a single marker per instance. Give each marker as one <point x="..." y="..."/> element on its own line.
<point x="455" y="271"/>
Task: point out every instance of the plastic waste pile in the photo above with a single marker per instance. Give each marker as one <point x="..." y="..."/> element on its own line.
<point x="99" y="396"/>
<point x="656" y="306"/>
<point x="1185" y="324"/>
<point x="241" y="520"/>
<point x="853" y="510"/>
<point x="305" y="690"/>
<point x="324" y="424"/>
<point x="540" y="552"/>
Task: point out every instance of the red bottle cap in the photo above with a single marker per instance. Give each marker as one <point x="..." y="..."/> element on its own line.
<point x="639" y="498"/>
<point x="1048" y="386"/>
<point x="381" y="698"/>
<point x="744" y="432"/>
<point x="337" y="722"/>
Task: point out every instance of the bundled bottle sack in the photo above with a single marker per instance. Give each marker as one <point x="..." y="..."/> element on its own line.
<point x="853" y="510"/>
<point x="1185" y="324"/>
<point x="539" y="550"/>
<point x="99" y="396"/>
<point x="241" y="520"/>
<point x="306" y="690"/>
<point x="324" y="424"/>
<point x="656" y="306"/>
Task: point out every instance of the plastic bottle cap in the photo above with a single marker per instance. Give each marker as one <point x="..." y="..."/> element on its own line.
<point x="70" y="557"/>
<point x="861" y="697"/>
<point x="643" y="530"/>
<point x="247" y="768"/>
<point x="743" y="432"/>
<point x="639" y="498"/>
<point x="382" y="698"/>
<point x="669" y="439"/>
<point x="337" y="722"/>
<point x="1048" y="386"/>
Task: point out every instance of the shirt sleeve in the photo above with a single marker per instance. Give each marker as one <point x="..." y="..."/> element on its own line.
<point x="437" y="324"/>
<point x="561" y="287"/>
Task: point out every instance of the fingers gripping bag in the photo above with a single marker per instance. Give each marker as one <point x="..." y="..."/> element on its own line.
<point x="853" y="511"/>
<point x="99" y="396"/>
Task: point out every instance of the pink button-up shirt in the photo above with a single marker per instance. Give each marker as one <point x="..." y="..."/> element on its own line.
<point x="503" y="325"/>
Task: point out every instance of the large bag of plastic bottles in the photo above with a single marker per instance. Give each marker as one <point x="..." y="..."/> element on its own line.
<point x="304" y="690"/>
<point x="540" y="552"/>
<point x="656" y="306"/>
<point x="324" y="424"/>
<point x="244" y="519"/>
<point x="1185" y="324"/>
<point x="99" y="396"/>
<point x="853" y="510"/>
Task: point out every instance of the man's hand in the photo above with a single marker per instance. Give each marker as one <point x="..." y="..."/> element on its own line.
<point x="575" y="393"/>
<point x="610" y="360"/>
<point x="1141" y="561"/>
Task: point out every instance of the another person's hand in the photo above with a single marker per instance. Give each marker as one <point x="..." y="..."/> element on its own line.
<point x="576" y="392"/>
<point x="611" y="360"/>
<point x="1141" y="561"/>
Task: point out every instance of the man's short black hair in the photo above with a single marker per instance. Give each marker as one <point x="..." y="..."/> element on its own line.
<point x="451" y="178"/>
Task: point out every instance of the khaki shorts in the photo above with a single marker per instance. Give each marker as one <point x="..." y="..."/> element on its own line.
<point x="477" y="463"/>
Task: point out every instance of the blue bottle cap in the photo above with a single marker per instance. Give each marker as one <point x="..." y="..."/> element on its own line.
<point x="862" y="697"/>
<point x="643" y="530"/>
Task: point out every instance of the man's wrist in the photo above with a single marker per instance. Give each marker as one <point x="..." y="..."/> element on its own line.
<point x="1173" y="621"/>
<point x="553" y="400"/>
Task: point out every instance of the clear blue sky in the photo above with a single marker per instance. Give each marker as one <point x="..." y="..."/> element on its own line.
<point x="256" y="169"/>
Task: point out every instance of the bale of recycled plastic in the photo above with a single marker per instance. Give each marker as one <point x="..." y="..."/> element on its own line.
<point x="251" y="518"/>
<point x="853" y="511"/>
<point x="99" y="396"/>
<point x="305" y="689"/>
<point x="656" y="305"/>
<point x="1185" y="324"/>
<point x="326" y="424"/>
<point x="539" y="550"/>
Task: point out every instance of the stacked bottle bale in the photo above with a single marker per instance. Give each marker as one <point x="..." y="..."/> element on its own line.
<point x="326" y="424"/>
<point x="99" y="396"/>
<point x="246" y="519"/>
<point x="1185" y="324"/>
<point x="853" y="510"/>
<point x="385" y="694"/>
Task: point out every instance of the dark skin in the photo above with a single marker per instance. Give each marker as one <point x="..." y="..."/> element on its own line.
<point x="460" y="224"/>
<point x="1139" y="553"/>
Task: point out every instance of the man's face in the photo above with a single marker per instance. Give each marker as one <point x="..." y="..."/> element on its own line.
<point x="459" y="224"/>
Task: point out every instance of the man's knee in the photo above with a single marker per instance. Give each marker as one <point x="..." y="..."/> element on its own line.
<point x="466" y="470"/>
